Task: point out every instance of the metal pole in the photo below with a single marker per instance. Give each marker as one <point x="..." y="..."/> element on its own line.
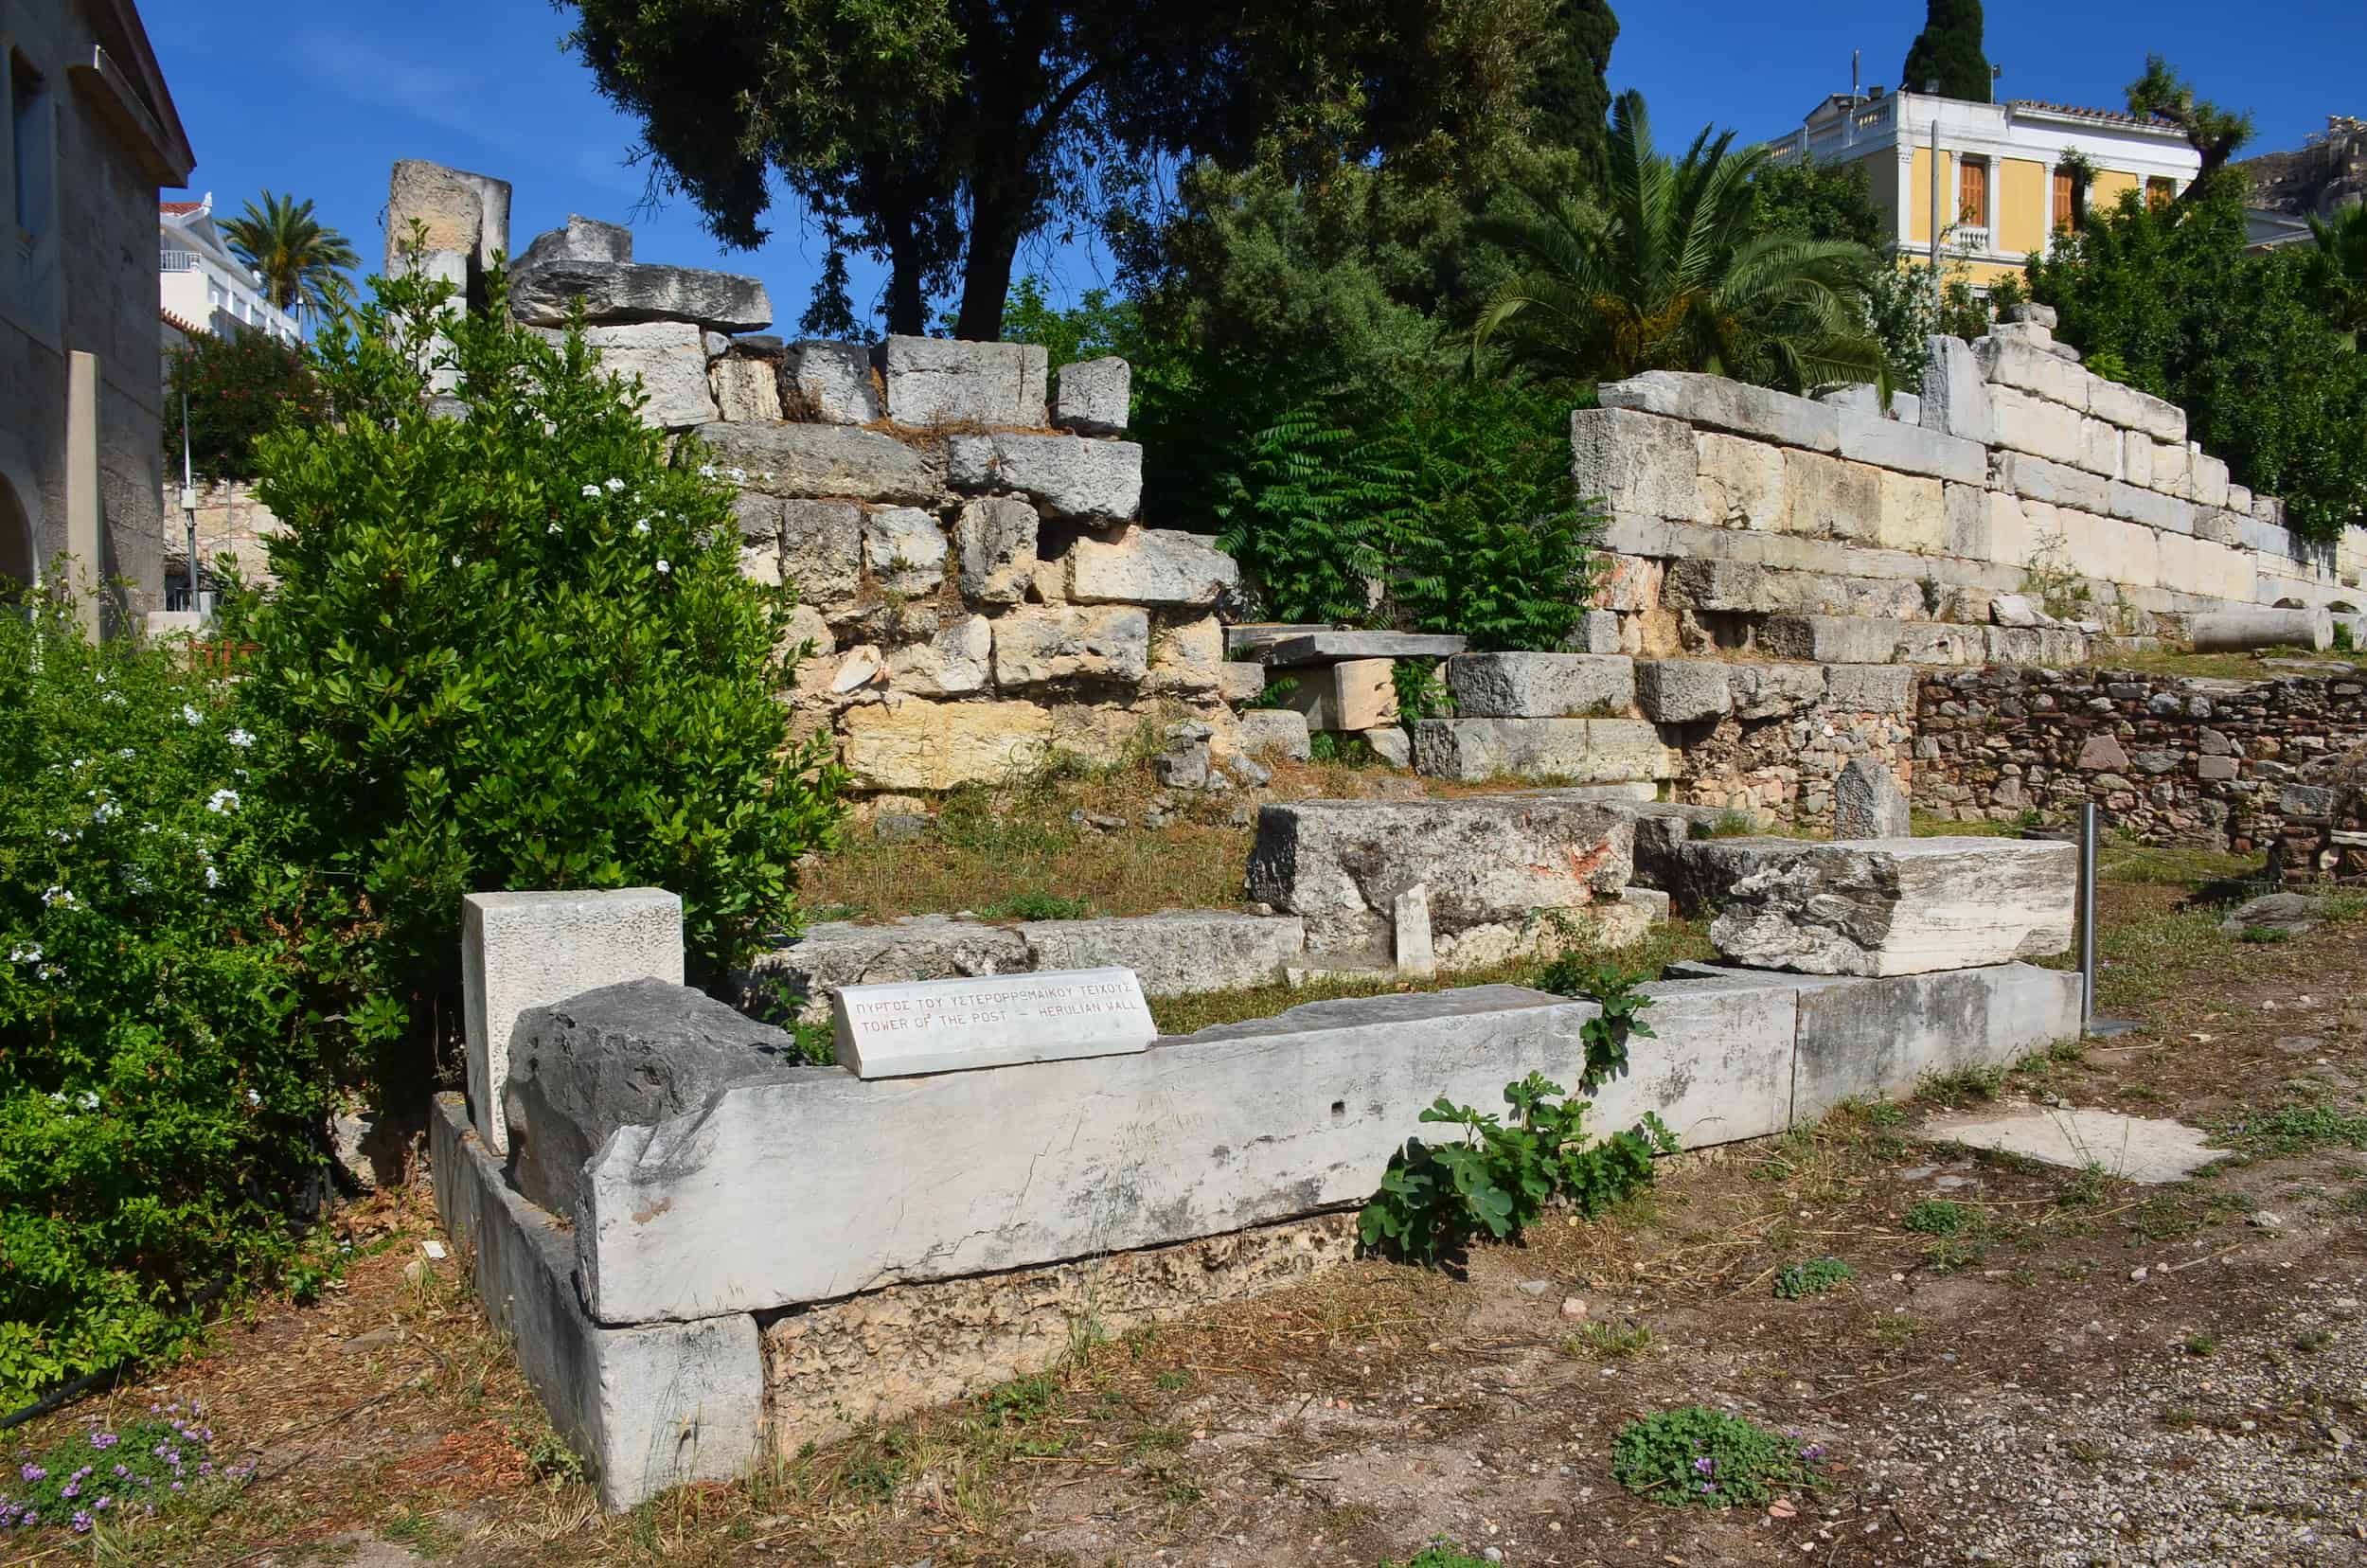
<point x="189" y="502"/>
<point x="2086" y="916"/>
<point x="1929" y="89"/>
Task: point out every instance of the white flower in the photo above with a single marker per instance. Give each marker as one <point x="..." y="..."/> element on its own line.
<point x="127" y="753"/>
<point x="553" y="528"/>
<point x="58" y="896"/>
<point x="455" y="559"/>
<point x="254" y="1099"/>
<point x="239" y="738"/>
<point x="49" y="971"/>
<point x="103" y="677"/>
<point x="707" y="471"/>
<point x="766" y="476"/>
<point x="188" y="714"/>
<point x="25" y="952"/>
<point x="62" y="836"/>
<point x="87" y="1100"/>
<point x="108" y="810"/>
<point x="222" y="800"/>
<point x="592" y="493"/>
<point x="213" y="878"/>
<point x="615" y="485"/>
<point x="56" y="1096"/>
<point x="112" y="698"/>
<point x="740" y="476"/>
<point x="664" y="566"/>
<point x="642" y="527"/>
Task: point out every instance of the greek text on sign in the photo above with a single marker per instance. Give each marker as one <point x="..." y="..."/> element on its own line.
<point x="951" y="1025"/>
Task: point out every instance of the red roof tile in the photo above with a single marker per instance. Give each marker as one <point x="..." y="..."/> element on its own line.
<point x="180" y="209"/>
<point x="178" y="325"/>
<point x="2121" y="116"/>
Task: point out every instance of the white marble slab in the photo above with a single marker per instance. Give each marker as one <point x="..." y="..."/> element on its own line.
<point x="992" y="1021"/>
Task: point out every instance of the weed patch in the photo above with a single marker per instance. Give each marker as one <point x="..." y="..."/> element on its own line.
<point x="1815" y="1276"/>
<point x="1938" y="1217"/>
<point x="1700" y="1458"/>
<point x="1610" y="1341"/>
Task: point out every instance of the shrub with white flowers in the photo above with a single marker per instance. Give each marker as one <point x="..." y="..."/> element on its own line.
<point x="159" y="1083"/>
<point x="513" y="649"/>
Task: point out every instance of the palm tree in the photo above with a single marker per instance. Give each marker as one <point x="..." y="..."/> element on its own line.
<point x="2339" y="269"/>
<point x="298" y="258"/>
<point x="1669" y="276"/>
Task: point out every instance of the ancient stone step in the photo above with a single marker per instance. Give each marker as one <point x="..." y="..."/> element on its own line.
<point x="1331" y="646"/>
<point x="1575" y="750"/>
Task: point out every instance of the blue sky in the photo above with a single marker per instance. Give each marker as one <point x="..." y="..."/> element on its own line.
<point x="318" y="101"/>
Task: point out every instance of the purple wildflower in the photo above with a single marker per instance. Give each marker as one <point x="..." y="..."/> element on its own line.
<point x="103" y="1504"/>
<point x="72" y="1488"/>
<point x="176" y="1486"/>
<point x="33" y="1473"/>
<point x="83" y="1522"/>
<point x="1705" y="1465"/>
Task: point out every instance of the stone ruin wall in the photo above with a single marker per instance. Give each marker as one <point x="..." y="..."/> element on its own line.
<point x="2238" y="765"/>
<point x="960" y="525"/>
<point x="1751" y="520"/>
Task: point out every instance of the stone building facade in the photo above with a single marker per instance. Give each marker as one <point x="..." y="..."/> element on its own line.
<point x="88" y="138"/>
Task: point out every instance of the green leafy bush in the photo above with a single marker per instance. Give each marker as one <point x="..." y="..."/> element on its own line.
<point x="1435" y="1198"/>
<point x="1813" y="1277"/>
<point x="513" y="649"/>
<point x="1696" y="1456"/>
<point x="1451" y="510"/>
<point x="1938" y="1217"/>
<point x="160" y="1078"/>
<point x="1606" y="1035"/>
<point x="240" y="386"/>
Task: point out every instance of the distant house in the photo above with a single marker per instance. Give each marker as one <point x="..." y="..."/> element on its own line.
<point x="202" y="283"/>
<point x="2004" y="178"/>
<point x="88" y="137"/>
<point x="2326" y="174"/>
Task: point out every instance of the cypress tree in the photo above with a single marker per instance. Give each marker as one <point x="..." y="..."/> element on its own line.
<point x="1570" y="100"/>
<point x="1947" y="51"/>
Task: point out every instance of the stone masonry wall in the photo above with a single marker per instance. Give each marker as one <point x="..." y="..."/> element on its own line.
<point x="959" y="525"/>
<point x="1744" y="518"/>
<point x="2229" y="764"/>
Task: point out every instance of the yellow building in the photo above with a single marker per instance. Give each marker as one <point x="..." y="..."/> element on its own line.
<point x="2002" y="178"/>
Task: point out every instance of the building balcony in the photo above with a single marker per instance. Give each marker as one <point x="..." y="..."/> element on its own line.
<point x="178" y="260"/>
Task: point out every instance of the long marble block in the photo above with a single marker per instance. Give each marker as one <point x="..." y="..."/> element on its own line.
<point x="1892" y="906"/>
<point x="998" y="1020"/>
<point x="528" y="949"/>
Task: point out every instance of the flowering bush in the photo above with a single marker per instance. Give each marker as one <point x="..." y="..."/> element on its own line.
<point x="1710" y="1458"/>
<point x="89" y="1481"/>
<point x="159" y="1084"/>
<point x="512" y="648"/>
<point x="237" y="386"/>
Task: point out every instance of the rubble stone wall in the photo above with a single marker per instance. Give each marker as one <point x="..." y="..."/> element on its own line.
<point x="1744" y="518"/>
<point x="2229" y="764"/>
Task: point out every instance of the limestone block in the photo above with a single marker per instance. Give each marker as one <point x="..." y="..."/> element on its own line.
<point x="2240" y="500"/>
<point x="670" y="359"/>
<point x="2203" y="567"/>
<point x="829" y="383"/>
<point x="2137" y="458"/>
<point x="903" y="549"/>
<point x="1895" y="906"/>
<point x="1873" y="1037"/>
<point x="2099" y="448"/>
<point x="1830" y="639"/>
<point x="759" y="519"/>
<point x="1868" y="802"/>
<point x="1681" y="691"/>
<point x="465" y="214"/>
<point x="2234" y="631"/>
<point x="1775" y="690"/>
<point x="994" y="537"/>
<point x="612" y="291"/>
<point x="1597" y="632"/>
<point x="1092" y="396"/>
<point x="1738" y="483"/>
<point x="1276" y="733"/>
<point x="1156" y="566"/>
<point x="806" y="460"/>
<point x="2220" y="527"/>
<point x="2027" y="367"/>
<point x="1325" y="646"/>
<point x="1634" y="462"/>
<point x="1939" y="643"/>
<point x="1066" y="477"/>
<point x="951" y="663"/>
<point x="1389" y="744"/>
<point x="1177" y="951"/>
<point x="821" y="550"/>
<point x="1913" y="514"/>
<point x="2109" y="550"/>
<point x="648" y="1408"/>
<point x="915" y="1028"/>
<point x="916" y="745"/>
<point x="1831" y="498"/>
<point x="1541" y="686"/>
<point x="2151" y="508"/>
<point x="1189" y="657"/>
<point x="2116" y="405"/>
<point x="2038" y="426"/>
<point x="1341" y="863"/>
<point x="937" y="381"/>
<point x="2172" y="469"/>
<point x="808" y="973"/>
<point x="1955" y="396"/>
<point x="2206" y="479"/>
<point x="1240" y="681"/>
<point x="745" y="388"/>
<point x="625" y="1055"/>
<point x="1895" y="444"/>
<point x="1575" y="751"/>
<point x="1071" y="643"/>
<point x="1870" y="689"/>
<point x="1967" y="512"/>
<point x="2057" y="484"/>
<point x="580" y="239"/>
<point x="2157" y="416"/>
<point x="1348" y="697"/>
<point x="1862" y="397"/>
<point x="526" y="950"/>
<point x="1723" y="404"/>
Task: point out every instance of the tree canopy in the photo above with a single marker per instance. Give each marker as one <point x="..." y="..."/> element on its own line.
<point x="1947" y="51"/>
<point x="942" y="134"/>
<point x="298" y="257"/>
<point x="2211" y="131"/>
